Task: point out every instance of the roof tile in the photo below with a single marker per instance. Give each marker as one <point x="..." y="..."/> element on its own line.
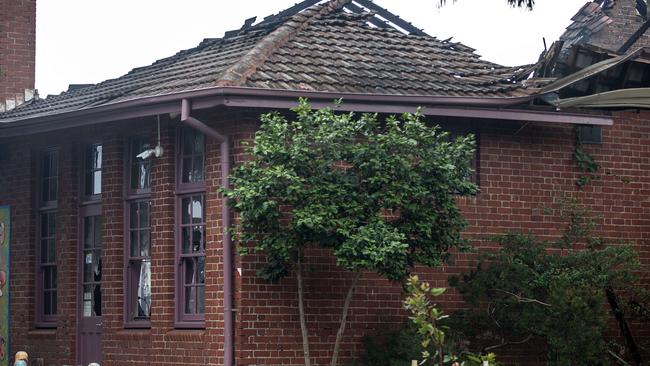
<point x="321" y="48"/>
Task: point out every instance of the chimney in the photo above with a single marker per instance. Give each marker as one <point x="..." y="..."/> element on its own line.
<point x="17" y="52"/>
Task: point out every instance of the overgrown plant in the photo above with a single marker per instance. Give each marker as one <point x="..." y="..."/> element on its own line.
<point x="379" y="194"/>
<point x="587" y="164"/>
<point x="548" y="291"/>
<point x="428" y="320"/>
<point x="589" y="167"/>
<point x="427" y="317"/>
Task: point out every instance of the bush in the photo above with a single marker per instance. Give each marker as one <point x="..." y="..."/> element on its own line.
<point x="549" y="291"/>
<point x="395" y="348"/>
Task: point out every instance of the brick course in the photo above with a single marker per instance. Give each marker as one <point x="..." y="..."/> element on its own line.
<point x="17" y="47"/>
<point x="520" y="173"/>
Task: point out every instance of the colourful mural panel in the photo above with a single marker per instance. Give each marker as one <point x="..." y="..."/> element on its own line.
<point x="5" y="230"/>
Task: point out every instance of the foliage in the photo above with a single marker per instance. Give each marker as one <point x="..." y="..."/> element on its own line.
<point x="426" y="317"/>
<point x="378" y="194"/>
<point x="551" y="291"/>
<point x="587" y="164"/>
<point x="589" y="167"/>
<point x="395" y="348"/>
<point x="428" y="321"/>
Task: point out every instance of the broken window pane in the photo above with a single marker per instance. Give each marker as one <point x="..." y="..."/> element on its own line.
<point x="143" y="298"/>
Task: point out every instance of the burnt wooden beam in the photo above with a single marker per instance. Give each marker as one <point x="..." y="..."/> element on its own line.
<point x="391" y="17"/>
<point x="359" y="10"/>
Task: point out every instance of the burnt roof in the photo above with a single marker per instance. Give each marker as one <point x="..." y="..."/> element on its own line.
<point x="617" y="26"/>
<point x="334" y="46"/>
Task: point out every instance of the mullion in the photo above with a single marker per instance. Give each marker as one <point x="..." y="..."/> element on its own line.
<point x="135" y="245"/>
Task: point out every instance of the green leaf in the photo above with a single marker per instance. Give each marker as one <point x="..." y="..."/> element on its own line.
<point x="437" y="291"/>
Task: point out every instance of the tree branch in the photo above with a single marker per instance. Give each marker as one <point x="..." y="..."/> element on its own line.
<point x="301" y="310"/>
<point x="523" y="299"/>
<point x="344" y="316"/>
<point x="490" y="348"/>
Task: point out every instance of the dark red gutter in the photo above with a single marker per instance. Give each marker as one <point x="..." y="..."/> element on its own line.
<point x="468" y="107"/>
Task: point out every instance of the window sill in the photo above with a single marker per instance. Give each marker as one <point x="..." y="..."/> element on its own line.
<point x="42" y="332"/>
<point x="179" y="335"/>
<point x="190" y="324"/>
<point x="137" y="325"/>
<point x="45" y="325"/>
<point x="133" y="334"/>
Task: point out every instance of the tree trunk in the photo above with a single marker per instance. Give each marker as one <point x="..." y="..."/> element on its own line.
<point x="301" y="309"/>
<point x="344" y="317"/>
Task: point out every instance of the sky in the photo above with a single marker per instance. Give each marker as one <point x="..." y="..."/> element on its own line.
<point x="89" y="41"/>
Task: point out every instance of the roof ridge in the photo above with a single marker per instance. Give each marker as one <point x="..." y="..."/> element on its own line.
<point x="238" y="73"/>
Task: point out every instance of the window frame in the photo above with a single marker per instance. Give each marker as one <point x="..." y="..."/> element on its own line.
<point x="129" y="191"/>
<point x="183" y="190"/>
<point x="42" y="320"/>
<point x="133" y="196"/>
<point x="90" y="198"/>
<point x="189" y="186"/>
<point x="181" y="257"/>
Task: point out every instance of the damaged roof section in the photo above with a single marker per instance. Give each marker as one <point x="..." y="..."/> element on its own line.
<point x="339" y="46"/>
<point x="608" y="81"/>
<point x="611" y="26"/>
<point x="589" y="20"/>
<point x="602" y="60"/>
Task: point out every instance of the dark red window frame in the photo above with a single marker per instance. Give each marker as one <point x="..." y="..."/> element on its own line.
<point x="92" y="172"/>
<point x="46" y="266"/>
<point x="137" y="222"/>
<point x="190" y="159"/>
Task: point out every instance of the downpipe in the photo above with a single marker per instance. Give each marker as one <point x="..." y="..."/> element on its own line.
<point x="228" y="344"/>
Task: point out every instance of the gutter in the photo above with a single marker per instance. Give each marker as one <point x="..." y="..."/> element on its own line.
<point x="467" y="107"/>
<point x="623" y="98"/>
<point x="228" y="344"/>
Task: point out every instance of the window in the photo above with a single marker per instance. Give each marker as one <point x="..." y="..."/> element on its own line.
<point x="48" y="264"/>
<point x="590" y="134"/>
<point x="139" y="262"/>
<point x="91" y="281"/>
<point x="140" y="173"/>
<point x="49" y="178"/>
<point x="46" y="277"/>
<point x="190" y="229"/>
<point x="192" y="157"/>
<point x="192" y="256"/>
<point x="138" y="236"/>
<point x="93" y="172"/>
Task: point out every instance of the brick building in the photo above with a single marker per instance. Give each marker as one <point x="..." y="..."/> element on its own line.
<point x="17" y="52"/>
<point x="124" y="260"/>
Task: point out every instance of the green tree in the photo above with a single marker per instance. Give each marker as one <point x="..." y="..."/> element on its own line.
<point x="379" y="194"/>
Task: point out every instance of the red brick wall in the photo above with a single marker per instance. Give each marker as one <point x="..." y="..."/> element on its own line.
<point x="520" y="173"/>
<point x="17" y="47"/>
